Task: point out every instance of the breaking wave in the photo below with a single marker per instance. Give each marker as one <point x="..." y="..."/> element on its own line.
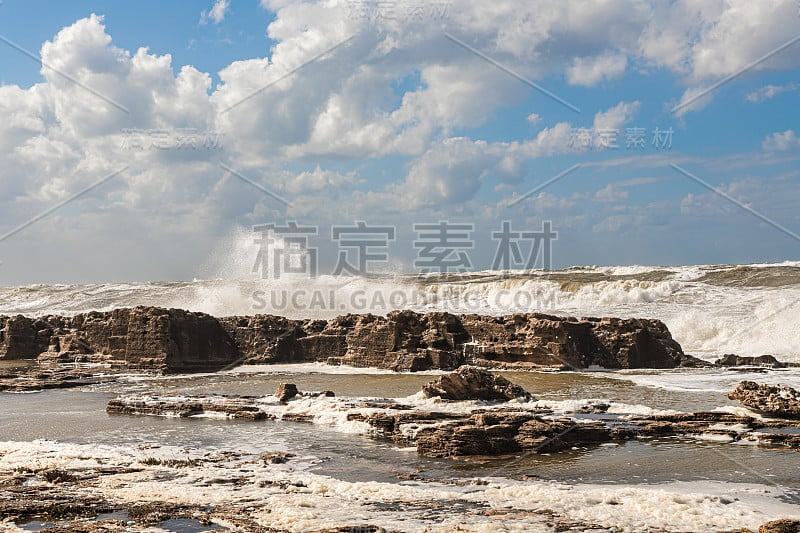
<point x="710" y="309"/>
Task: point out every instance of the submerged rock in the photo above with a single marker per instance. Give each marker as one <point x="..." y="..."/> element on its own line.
<point x="782" y="402"/>
<point x="737" y="360"/>
<point x="473" y="383"/>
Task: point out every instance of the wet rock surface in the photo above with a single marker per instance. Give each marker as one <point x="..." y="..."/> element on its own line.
<point x="286" y="391"/>
<point x="767" y="361"/>
<point x="83" y="503"/>
<point x="472" y="383"/>
<point x="504" y="428"/>
<point x="173" y="340"/>
<point x="772" y="400"/>
<point x="780" y="526"/>
<point x="44" y="377"/>
<point x="237" y="407"/>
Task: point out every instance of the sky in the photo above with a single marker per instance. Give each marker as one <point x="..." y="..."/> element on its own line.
<point x="140" y="140"/>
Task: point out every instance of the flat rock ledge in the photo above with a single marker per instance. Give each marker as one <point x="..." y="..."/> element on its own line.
<point x="502" y="428"/>
<point x="46" y="377"/>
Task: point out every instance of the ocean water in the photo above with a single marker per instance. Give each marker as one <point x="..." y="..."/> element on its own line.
<point x="352" y="478"/>
<point x="710" y="309"/>
<point x="694" y="484"/>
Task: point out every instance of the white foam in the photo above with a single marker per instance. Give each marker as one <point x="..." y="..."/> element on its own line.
<point x="312" y="501"/>
<point x="320" y="368"/>
<point x="707" y="319"/>
<point x="702" y="380"/>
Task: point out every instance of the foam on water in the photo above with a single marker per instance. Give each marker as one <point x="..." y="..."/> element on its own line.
<point x="710" y="309"/>
<point x="321" y="368"/>
<point x="702" y="380"/>
<point x="311" y="501"/>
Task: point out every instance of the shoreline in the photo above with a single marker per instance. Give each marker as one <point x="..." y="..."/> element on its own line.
<point x="135" y="486"/>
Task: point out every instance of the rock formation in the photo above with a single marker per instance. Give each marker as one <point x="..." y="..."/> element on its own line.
<point x="142" y="337"/>
<point x="286" y="391"/>
<point x="782" y="402"/>
<point x="737" y="360"/>
<point x="504" y="429"/>
<point x="784" y="525"/>
<point x="472" y="383"/>
<point x="174" y="340"/>
<point x="409" y="341"/>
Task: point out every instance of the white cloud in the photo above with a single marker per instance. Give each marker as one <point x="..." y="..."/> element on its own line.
<point x="217" y="12"/>
<point x="608" y="124"/>
<point x="781" y="141"/>
<point x="610" y="193"/>
<point x="293" y="134"/>
<point x="769" y="91"/>
<point x="708" y="40"/>
<point x="590" y="71"/>
<point x="617" y="116"/>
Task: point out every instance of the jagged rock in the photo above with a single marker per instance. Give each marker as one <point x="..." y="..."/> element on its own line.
<point x="173" y="340"/>
<point x="22" y="337"/>
<point x="784" y="525"/>
<point x="507" y="432"/>
<point x="473" y="383"/>
<point x="286" y="391"/>
<point x="783" y="402"/>
<point x="736" y="360"/>
<point x="142" y="337"/>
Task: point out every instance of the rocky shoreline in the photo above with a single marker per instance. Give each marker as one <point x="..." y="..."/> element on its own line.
<point x="469" y="414"/>
<point x="173" y="340"/>
<point x="91" y="348"/>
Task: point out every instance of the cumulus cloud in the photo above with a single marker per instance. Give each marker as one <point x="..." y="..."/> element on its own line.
<point x="617" y="116"/>
<point x="781" y="141"/>
<point x="328" y="94"/>
<point x="590" y="71"/>
<point x="217" y="12"/>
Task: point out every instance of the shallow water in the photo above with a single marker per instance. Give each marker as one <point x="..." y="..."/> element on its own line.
<point x="80" y="417"/>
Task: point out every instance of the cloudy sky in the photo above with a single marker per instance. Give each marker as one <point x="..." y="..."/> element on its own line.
<point x="138" y="137"/>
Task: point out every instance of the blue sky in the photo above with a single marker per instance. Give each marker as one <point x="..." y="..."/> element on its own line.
<point x="398" y="123"/>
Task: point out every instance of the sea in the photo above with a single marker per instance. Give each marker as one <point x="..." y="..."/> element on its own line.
<point x="701" y="483"/>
